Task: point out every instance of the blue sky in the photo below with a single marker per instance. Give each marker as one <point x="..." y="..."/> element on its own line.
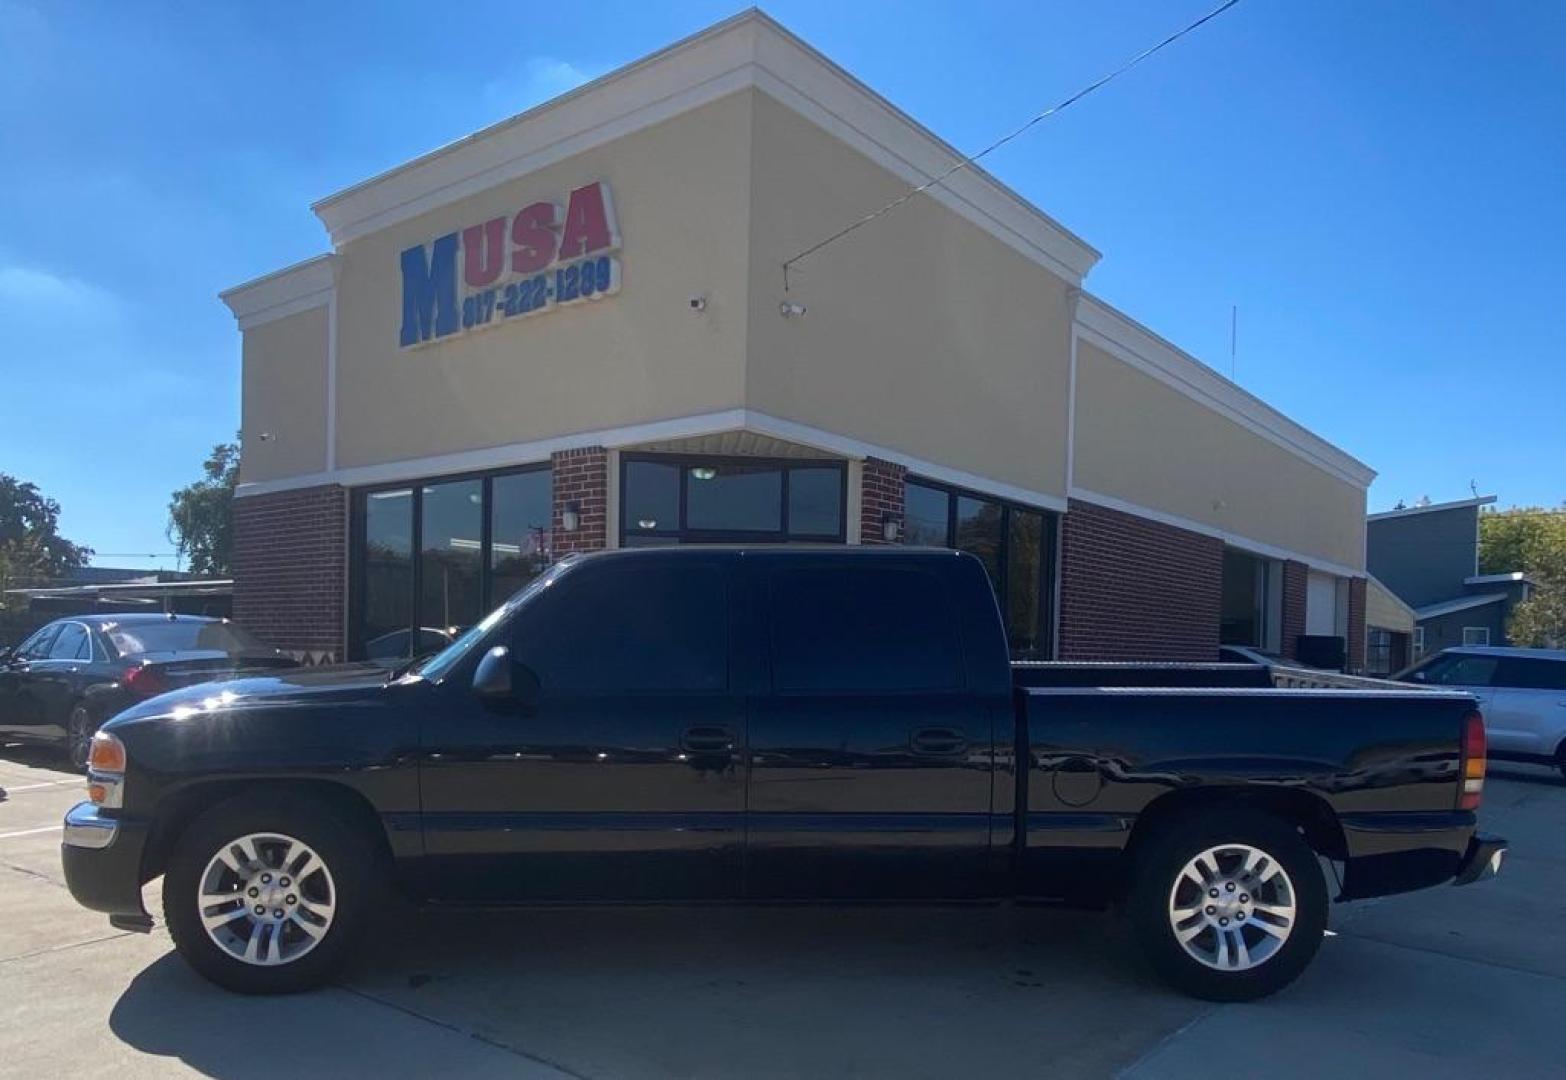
<point x="1379" y="185"/>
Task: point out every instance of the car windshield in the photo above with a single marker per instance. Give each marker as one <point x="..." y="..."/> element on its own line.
<point x="180" y="635"/>
<point x="436" y="667"/>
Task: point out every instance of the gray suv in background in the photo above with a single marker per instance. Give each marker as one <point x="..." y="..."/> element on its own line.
<point x="1522" y="693"/>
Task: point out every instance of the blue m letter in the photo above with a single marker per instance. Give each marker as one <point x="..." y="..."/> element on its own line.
<point x="429" y="291"/>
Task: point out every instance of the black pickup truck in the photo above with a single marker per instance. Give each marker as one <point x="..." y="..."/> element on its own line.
<point x="772" y="724"/>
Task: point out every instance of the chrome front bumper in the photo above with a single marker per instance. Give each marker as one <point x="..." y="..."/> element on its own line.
<point x="86" y="827"/>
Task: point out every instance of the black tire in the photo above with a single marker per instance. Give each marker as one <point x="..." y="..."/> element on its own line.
<point x="79" y="729"/>
<point x="354" y="885"/>
<point x="1157" y="873"/>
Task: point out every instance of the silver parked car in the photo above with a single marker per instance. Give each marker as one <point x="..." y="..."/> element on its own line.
<point x="1522" y="693"/>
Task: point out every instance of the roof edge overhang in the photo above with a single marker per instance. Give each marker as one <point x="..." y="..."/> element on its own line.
<point x="284" y="292"/>
<point x="1455" y="504"/>
<point x="1112" y="330"/>
<point x="747" y="50"/>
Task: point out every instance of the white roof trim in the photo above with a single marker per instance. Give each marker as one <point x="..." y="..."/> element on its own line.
<point x="1126" y="339"/>
<point x="1456" y="504"/>
<point x="1245" y="543"/>
<point x="1447" y="607"/>
<point x="284" y="292"/>
<point x="748" y="50"/>
<point x="680" y="427"/>
<point x="1496" y="579"/>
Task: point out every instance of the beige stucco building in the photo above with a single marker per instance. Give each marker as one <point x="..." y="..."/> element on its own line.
<point x="573" y="330"/>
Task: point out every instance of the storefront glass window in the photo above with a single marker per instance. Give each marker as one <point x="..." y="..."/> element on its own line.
<point x="451" y="556"/>
<point x="1015" y="544"/>
<point x="1024" y="554"/>
<point x="979" y="533"/>
<point x="925" y="520"/>
<point x="734" y="498"/>
<point x="387" y="603"/>
<point x="652" y="498"/>
<point x="479" y="539"/>
<point x="815" y="502"/>
<point x="683" y="499"/>
<point x="520" y="513"/>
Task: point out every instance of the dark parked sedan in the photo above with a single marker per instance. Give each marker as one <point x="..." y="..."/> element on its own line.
<point x="73" y="674"/>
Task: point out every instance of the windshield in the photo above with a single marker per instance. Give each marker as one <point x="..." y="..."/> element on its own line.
<point x="180" y="635"/>
<point x="436" y="667"/>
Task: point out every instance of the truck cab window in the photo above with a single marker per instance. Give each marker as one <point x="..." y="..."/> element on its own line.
<point x="837" y="628"/>
<point x="651" y="629"/>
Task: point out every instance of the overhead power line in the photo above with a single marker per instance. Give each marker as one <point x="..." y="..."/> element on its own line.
<point x="1003" y="140"/>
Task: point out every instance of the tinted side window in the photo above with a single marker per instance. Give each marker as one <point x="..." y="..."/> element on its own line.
<point x="71" y="644"/>
<point x="650" y="629"/>
<point x="863" y="628"/>
<point x="1461" y="671"/>
<point x="1528" y="674"/>
<point x="37" y="646"/>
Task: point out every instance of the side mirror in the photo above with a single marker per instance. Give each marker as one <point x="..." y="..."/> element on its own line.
<point x="499" y="678"/>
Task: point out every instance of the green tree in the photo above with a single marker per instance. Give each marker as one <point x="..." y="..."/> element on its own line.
<point x="32" y="551"/>
<point x="201" y="514"/>
<point x="1533" y="540"/>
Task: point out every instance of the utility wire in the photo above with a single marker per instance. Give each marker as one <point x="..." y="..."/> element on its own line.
<point x="998" y="143"/>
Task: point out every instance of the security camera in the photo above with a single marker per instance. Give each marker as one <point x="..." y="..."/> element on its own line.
<point x="790" y="310"/>
<point x="698" y="302"/>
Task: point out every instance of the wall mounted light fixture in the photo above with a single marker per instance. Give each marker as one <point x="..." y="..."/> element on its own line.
<point x="571" y="516"/>
<point x="891" y="527"/>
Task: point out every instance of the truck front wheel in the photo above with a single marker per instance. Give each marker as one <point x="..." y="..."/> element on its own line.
<point x="1229" y="904"/>
<point x="268" y="895"/>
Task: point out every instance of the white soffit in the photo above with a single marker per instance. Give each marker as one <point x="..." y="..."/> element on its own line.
<point x="748" y="50"/>
<point x="282" y="293"/>
<point x="1126" y="339"/>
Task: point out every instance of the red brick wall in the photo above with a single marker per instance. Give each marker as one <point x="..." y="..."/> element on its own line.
<point x="581" y="476"/>
<point x="1356" y="625"/>
<point x="1134" y="589"/>
<point x="1295" y="574"/>
<point x="881" y="494"/>
<point x="290" y="566"/>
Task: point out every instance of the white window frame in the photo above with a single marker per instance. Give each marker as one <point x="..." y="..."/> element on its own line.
<point x="1418" y="643"/>
<point x="1477" y="632"/>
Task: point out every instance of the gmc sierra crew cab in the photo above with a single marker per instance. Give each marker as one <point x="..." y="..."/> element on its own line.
<point x="772" y="724"/>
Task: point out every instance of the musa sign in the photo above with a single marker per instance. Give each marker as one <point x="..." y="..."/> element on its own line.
<point x="541" y="257"/>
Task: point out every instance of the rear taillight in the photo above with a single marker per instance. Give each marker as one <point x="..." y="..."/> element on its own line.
<point x="1473" y="762"/>
<point x="145" y="681"/>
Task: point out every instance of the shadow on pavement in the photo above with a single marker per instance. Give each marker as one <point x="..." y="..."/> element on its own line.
<point x="672" y="992"/>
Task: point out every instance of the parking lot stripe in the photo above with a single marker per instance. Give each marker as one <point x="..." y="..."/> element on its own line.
<point x="29" y="832"/>
<point x="38" y="787"/>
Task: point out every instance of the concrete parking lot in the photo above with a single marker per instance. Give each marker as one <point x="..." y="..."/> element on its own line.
<point x="1449" y="982"/>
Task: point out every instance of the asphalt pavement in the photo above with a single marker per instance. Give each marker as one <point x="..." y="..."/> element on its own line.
<point x="1447" y="982"/>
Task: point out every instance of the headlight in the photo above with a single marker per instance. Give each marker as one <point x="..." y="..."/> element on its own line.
<point x="106" y="771"/>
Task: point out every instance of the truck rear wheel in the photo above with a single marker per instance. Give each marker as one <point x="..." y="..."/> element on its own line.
<point x="1229" y="904"/>
<point x="268" y="895"/>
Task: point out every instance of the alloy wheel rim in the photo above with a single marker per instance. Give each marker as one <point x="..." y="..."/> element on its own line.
<point x="1232" y="907"/>
<point x="80" y="738"/>
<point x="266" y="899"/>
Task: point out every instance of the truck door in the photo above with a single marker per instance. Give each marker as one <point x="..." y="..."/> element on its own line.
<point x="871" y="749"/>
<point x="625" y="782"/>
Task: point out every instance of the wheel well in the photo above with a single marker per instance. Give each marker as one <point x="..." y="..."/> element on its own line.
<point x="1307" y="812"/>
<point x="177" y="811"/>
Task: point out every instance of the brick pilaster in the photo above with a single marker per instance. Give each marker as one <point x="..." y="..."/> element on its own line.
<point x="290" y="569"/>
<point x="580" y="476"/>
<point x="882" y="489"/>
<point x="1355" y="660"/>
<point x="1134" y="589"/>
<point x="1295" y="576"/>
